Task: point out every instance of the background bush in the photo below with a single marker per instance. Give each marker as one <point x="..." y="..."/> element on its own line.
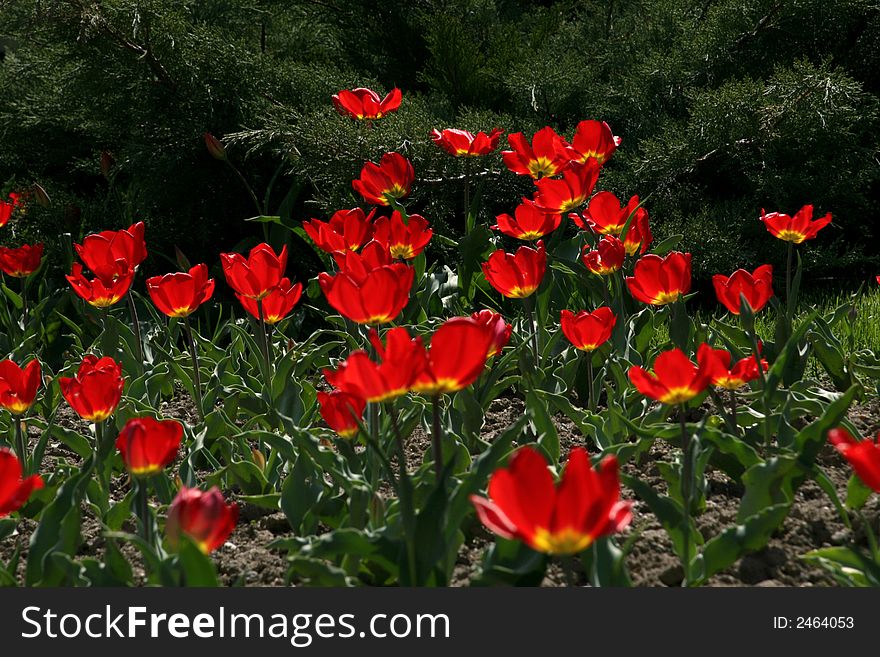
<point x="724" y="106"/>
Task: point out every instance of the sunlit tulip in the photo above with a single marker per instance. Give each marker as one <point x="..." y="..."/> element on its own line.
<point x="277" y="304"/>
<point x="658" y="281"/>
<point x="462" y="143"/>
<point x="545" y="157"/>
<point x="94" y="392"/>
<point x="388" y="181"/>
<point x="342" y="411"/>
<point x="14" y="491"/>
<point x="181" y="293"/>
<point x="594" y="140"/>
<point x="256" y="275"/>
<point x="605" y="215"/>
<point x="725" y="376"/>
<point x="456" y="356"/>
<point x="516" y="275"/>
<point x="147" y="446"/>
<point x="111" y="253"/>
<point x="347" y="230"/>
<point x="606" y="258"/>
<point x="569" y="192"/>
<point x="499" y="329"/>
<point x="586" y="330"/>
<point x="638" y="236"/>
<point x="528" y="223"/>
<point x="203" y="516"/>
<point x="95" y="291"/>
<point x="362" y="103"/>
<point x="796" y="229"/>
<point x="18" y="386"/>
<point x="675" y="378"/>
<point x="22" y="261"/>
<point x="863" y="455"/>
<point x="559" y="519"/>
<point x="756" y="287"/>
<point x="403" y="239"/>
<point x="8" y="207"/>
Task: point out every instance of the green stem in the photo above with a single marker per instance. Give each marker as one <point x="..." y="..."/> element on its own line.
<point x="437" y="438"/>
<point x="24" y="301"/>
<point x="136" y="325"/>
<point x="100" y="451"/>
<point x="722" y="411"/>
<point x="143" y="509"/>
<point x="533" y="327"/>
<point x="686" y="476"/>
<point x="197" y="376"/>
<point x="467" y="195"/>
<point x="591" y="402"/>
<point x="21" y="445"/>
<point x="788" y="299"/>
<point x="404" y="494"/>
<point x="764" y="398"/>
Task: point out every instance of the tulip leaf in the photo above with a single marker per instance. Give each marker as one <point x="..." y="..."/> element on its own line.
<point x="847" y="566"/>
<point x="665" y="246"/>
<point x="15" y="298"/>
<point x="857" y="493"/>
<point x="196" y="568"/>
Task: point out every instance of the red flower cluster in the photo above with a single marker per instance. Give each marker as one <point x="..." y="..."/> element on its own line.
<point x="94" y="392"/>
<point x="361" y="103"/>
<point x="203" y="516"/>
<point x="462" y="143"/>
<point x="386" y="182"/>
<point x="21" y="262"/>
<point x="18" y="386"/>
<point x="14" y="491"/>
<point x="524" y="504"/>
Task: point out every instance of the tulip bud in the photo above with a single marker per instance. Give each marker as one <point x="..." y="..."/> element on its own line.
<point x="259" y="458"/>
<point x="40" y="195"/>
<point x="107" y="163"/>
<point x="215" y="147"/>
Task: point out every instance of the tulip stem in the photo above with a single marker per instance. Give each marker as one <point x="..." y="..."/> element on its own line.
<point x="533" y="326"/>
<point x="719" y="404"/>
<point x="404" y="494"/>
<point x="788" y="299"/>
<point x="20" y="445"/>
<point x="197" y="376"/>
<point x="437" y="438"/>
<point x="24" y="302"/>
<point x="265" y="335"/>
<point x="764" y="399"/>
<point x="136" y="325"/>
<point x="141" y="492"/>
<point x="686" y="476"/>
<point x="101" y="452"/>
<point x="467" y="195"/>
<point x="591" y="402"/>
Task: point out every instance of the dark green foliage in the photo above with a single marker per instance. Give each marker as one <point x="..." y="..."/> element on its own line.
<point x="724" y="107"/>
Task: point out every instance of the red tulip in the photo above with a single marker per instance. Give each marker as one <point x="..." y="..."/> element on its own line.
<point x="388" y="181"/>
<point x="8" y="207"/>
<point x="518" y="275"/>
<point x="658" y="281"/>
<point x="638" y="236"/>
<point x="499" y="329"/>
<point x="528" y="223"/>
<point x="203" y="516"/>
<point x="569" y="192"/>
<point x="524" y="504"/>
<point x="545" y="157"/>
<point x="756" y="287"/>
<point x="456" y="356"/>
<point x="403" y="239"/>
<point x="594" y="139"/>
<point x="256" y="275"/>
<point x="342" y="412"/>
<point x="148" y="445"/>
<point x="863" y="455"/>
<point x="369" y="289"/>
<point x="277" y="304"/>
<point x="588" y="331"/>
<point x="347" y="230"/>
<point x="14" y="491"/>
<point x="607" y="258"/>
<point x="402" y="360"/>
<point x="111" y="253"/>
<point x="364" y="103"/>
<point x="725" y="376"/>
<point x="21" y="262"/>
<point x="180" y="294"/>
<point x="797" y="229"/>
<point x="466" y="144"/>
<point x="94" y="392"/>
<point x="605" y="215"/>
<point x="18" y="387"/>
<point x="96" y="291"/>
<point x="215" y="146"/>
<point x="675" y="378"/>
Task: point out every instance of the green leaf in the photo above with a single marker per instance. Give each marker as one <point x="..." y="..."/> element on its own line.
<point x="857" y="493"/>
<point x="196" y="567"/>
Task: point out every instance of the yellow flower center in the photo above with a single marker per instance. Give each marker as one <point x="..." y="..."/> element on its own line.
<point x="663" y="298"/>
<point x="566" y="541"/>
<point x="791" y="236"/>
<point x="678" y="395"/>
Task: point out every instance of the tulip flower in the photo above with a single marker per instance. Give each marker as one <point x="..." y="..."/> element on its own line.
<point x="499" y="329"/>
<point x="863" y="455"/>
<point x="369" y="289"/>
<point x="215" y="147"/>
<point x="14" y="490"/>
<point x="18" y="386"/>
<point x="147" y="445"/>
<point x="796" y="229"/>
<point x="21" y="262"/>
<point x="402" y="360"/>
<point x="111" y="253"/>
<point x="723" y="375"/>
<point x="203" y="516"/>
<point x="365" y="104"/>
<point x="658" y="281"/>
<point x="461" y="143"/>
<point x="563" y="519"/>
<point x="605" y="215"/>
<point x="181" y="293"/>
<point x="528" y="223"/>
<point x="638" y="236"/>
<point x="545" y="157"/>
<point x="277" y="304"/>
<point x="97" y="292"/>
<point x="94" y="392"/>
<point x="594" y="140"/>
<point x="456" y="356"/>
<point x="675" y="378"/>
<point x="518" y="275"/>
<point x="588" y="331"/>
<point x="386" y="182"/>
<point x="257" y="274"/>
<point x="757" y="288"/>
<point x="403" y="239"/>
<point x="342" y="411"/>
<point x="571" y="191"/>
<point x="8" y="207"/>
<point x="607" y="257"/>
<point x="347" y="230"/>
